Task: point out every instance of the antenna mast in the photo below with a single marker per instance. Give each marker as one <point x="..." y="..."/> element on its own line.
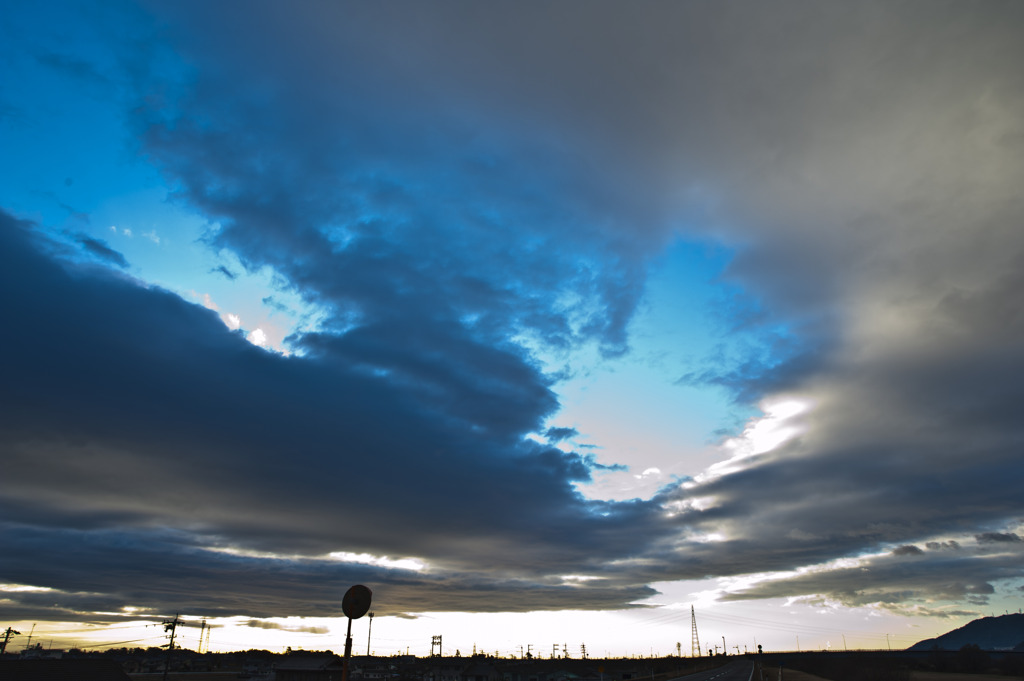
<point x="694" y="640"/>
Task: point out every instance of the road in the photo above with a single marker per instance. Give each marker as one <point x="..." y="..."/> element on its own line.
<point x="737" y="670"/>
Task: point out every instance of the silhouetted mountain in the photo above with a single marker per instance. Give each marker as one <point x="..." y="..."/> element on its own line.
<point x="1005" y="632"/>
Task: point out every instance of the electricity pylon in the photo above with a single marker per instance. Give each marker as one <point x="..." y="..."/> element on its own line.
<point x="694" y="640"/>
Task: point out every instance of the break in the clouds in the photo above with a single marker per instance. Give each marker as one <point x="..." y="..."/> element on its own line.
<point x="471" y="198"/>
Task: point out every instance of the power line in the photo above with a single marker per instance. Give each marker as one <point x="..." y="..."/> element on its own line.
<point x="790" y="627"/>
<point x="670" y="616"/>
<point x="119" y="643"/>
<point x="677" y="616"/>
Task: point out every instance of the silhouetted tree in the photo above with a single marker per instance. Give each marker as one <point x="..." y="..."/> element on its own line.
<point x="972" y="658"/>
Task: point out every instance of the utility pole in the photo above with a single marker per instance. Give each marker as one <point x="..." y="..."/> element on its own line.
<point x="554" y="651"/>
<point x="565" y="650"/>
<point x="171" y="626"/>
<point x="583" y="650"/>
<point x="7" y="637"/>
<point x="202" y="631"/>
<point x="694" y="640"/>
<point x="31" y="631"/>
<point x="529" y="651"/>
<point x="368" y="632"/>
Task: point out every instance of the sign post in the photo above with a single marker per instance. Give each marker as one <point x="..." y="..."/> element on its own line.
<point x="355" y="604"/>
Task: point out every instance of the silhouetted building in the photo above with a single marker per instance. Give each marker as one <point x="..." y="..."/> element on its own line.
<point x="309" y="668"/>
<point x="481" y="671"/>
<point x="371" y="669"/>
<point x="61" y="670"/>
<point x="445" y="670"/>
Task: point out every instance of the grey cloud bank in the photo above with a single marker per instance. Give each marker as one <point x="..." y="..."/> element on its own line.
<point x="461" y="190"/>
<point x="155" y="415"/>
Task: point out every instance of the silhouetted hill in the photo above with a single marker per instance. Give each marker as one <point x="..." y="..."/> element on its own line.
<point x="1005" y="632"/>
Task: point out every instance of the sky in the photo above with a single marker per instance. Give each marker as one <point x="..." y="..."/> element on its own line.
<point x="545" y="321"/>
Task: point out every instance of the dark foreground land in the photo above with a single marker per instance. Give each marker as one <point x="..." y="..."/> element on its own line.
<point x="964" y="665"/>
<point x="968" y="664"/>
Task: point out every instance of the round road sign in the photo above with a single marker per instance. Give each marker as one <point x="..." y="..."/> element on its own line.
<point x="356" y="601"/>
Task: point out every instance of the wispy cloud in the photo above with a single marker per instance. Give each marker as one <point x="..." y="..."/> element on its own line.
<point x="102" y="250"/>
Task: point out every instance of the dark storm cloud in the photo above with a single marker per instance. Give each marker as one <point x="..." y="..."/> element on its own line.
<point x="899" y="581"/>
<point x="105" y="434"/>
<point x="912" y="436"/>
<point x="459" y="189"/>
<point x="380" y="200"/>
<point x="880" y="230"/>
<point x="154" y="571"/>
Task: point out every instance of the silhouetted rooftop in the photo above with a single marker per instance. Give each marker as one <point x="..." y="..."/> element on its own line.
<point x="61" y="670"/>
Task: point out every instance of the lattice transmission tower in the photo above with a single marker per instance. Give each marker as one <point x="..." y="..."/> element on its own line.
<point x="694" y="640"/>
